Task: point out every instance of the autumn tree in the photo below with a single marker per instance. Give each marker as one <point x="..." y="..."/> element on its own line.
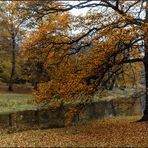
<point x="111" y="35"/>
<point x="136" y="40"/>
<point x="11" y="35"/>
<point x="39" y="46"/>
<point x="131" y="18"/>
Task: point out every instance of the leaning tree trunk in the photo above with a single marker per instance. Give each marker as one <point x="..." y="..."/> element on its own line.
<point x="10" y="87"/>
<point x="145" y="60"/>
<point x="145" y="116"/>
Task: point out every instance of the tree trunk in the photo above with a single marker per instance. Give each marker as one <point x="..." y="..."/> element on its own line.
<point x="112" y="83"/>
<point x="10" y="87"/>
<point x="36" y="115"/>
<point x="10" y="120"/>
<point x="145" y="116"/>
<point x="145" y="60"/>
<point x="35" y="85"/>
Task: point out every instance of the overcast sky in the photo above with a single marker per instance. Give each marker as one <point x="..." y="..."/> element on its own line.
<point x="77" y="12"/>
<point x="83" y="11"/>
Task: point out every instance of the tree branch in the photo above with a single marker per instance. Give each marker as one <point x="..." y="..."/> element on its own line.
<point x="131" y="61"/>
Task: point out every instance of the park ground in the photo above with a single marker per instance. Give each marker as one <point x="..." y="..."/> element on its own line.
<point x="112" y="132"/>
<point x="97" y="133"/>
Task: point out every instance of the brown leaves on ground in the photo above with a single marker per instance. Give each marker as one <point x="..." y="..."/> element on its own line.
<point x="96" y="133"/>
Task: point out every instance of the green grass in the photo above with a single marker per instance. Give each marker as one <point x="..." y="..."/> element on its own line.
<point x="16" y="102"/>
<point x="13" y="102"/>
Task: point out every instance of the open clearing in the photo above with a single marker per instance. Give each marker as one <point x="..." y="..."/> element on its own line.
<point x="117" y="132"/>
<point x="103" y="133"/>
<point x="19" y="100"/>
<point x="10" y="103"/>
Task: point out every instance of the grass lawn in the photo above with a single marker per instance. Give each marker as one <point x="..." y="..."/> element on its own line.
<point x="18" y="101"/>
<point x="98" y="133"/>
<point x="12" y="102"/>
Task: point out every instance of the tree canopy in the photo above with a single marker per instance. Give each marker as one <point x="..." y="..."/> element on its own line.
<point x="68" y="56"/>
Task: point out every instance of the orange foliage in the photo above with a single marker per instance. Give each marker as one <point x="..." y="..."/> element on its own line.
<point x="68" y="73"/>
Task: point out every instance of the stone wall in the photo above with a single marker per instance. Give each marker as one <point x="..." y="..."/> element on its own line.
<point x="72" y="114"/>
